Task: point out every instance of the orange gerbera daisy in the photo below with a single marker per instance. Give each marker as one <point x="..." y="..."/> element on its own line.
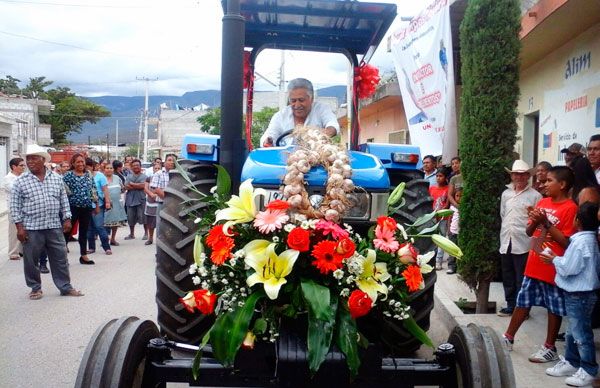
<point x="413" y="277"/>
<point x="222" y="250"/>
<point x="326" y="258"/>
<point x="215" y="236"/>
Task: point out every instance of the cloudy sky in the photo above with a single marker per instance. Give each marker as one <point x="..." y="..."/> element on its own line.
<point x="100" y="47"/>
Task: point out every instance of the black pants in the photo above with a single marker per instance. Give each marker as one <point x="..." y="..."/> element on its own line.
<point x="513" y="267"/>
<point x="83" y="215"/>
<point x="451" y="259"/>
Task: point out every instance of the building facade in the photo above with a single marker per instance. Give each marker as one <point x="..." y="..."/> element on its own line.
<point x="28" y="129"/>
<point x="560" y="78"/>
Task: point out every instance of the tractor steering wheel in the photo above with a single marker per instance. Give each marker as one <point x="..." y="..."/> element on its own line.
<point x="282" y="136"/>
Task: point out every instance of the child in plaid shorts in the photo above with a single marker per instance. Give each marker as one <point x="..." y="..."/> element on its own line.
<point x="550" y="223"/>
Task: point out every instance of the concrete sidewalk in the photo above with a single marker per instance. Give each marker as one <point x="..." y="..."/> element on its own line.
<point x="530" y="336"/>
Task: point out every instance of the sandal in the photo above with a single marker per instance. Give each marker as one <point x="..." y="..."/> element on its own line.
<point x="149" y="242"/>
<point x="130" y="237"/>
<point x="36" y="295"/>
<point x="114" y="243"/>
<point x="73" y="292"/>
<point x="108" y="252"/>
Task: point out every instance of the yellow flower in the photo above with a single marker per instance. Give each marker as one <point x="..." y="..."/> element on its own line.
<point x="370" y="281"/>
<point x="241" y="208"/>
<point x="270" y="268"/>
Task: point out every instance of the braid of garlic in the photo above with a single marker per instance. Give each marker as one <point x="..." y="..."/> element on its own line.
<point x="315" y="148"/>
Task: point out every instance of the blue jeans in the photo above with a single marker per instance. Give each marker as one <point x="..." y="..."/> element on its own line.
<point x="97" y="228"/>
<point x="580" y="351"/>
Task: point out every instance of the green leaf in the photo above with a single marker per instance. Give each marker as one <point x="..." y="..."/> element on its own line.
<point x="198" y="356"/>
<point x="430" y="229"/>
<point x="260" y="326"/>
<point x="423" y="220"/>
<point x="318" y="299"/>
<point x="411" y="325"/>
<point x="347" y="339"/>
<point x="229" y="330"/>
<point x="223" y="182"/>
<point x="320" y="333"/>
<point x="198" y="249"/>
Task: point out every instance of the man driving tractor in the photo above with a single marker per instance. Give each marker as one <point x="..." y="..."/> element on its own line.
<point x="301" y="110"/>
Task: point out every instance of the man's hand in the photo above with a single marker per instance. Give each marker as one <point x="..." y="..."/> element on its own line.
<point x="21" y="233"/>
<point x="330" y="131"/>
<point x="268" y="142"/>
<point x="67" y="226"/>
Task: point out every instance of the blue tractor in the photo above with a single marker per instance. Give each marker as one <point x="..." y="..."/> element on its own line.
<point x="350" y="28"/>
<point x="130" y="352"/>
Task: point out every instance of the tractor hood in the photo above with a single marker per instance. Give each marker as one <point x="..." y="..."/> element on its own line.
<point x="267" y="167"/>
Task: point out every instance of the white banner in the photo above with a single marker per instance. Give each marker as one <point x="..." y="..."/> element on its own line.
<point x="422" y="51"/>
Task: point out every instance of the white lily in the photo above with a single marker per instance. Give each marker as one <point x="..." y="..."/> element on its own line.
<point x="241" y="208"/>
<point x="270" y="268"/>
<point x="423" y="260"/>
<point x="371" y="280"/>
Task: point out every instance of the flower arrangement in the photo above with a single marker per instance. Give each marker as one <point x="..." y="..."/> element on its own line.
<point x="254" y="267"/>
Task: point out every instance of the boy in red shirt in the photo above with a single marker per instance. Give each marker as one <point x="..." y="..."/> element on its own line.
<point x="439" y="194"/>
<point x="550" y="224"/>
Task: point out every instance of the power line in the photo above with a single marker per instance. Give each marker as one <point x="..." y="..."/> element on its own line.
<point x="74" y="46"/>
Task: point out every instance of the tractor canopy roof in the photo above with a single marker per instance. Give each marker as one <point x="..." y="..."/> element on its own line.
<point x="342" y="26"/>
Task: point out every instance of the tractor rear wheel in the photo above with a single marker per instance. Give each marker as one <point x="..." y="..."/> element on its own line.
<point x="417" y="203"/>
<point x="174" y="255"/>
<point x="116" y="354"/>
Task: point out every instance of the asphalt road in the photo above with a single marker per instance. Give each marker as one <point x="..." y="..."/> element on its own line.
<point x="43" y="341"/>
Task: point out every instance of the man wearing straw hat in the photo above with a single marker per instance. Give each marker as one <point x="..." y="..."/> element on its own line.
<point x="514" y="242"/>
<point x="37" y="199"/>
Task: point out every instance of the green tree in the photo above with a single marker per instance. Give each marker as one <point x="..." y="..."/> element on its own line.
<point x="70" y="113"/>
<point x="211" y="122"/>
<point x="36" y="87"/>
<point x="10" y="85"/>
<point x="489" y="39"/>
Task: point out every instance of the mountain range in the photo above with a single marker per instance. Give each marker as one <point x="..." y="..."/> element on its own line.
<point x="127" y="110"/>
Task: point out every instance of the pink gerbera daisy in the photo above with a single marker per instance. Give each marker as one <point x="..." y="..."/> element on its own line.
<point x="385" y="240"/>
<point x="270" y="220"/>
<point x="327" y="227"/>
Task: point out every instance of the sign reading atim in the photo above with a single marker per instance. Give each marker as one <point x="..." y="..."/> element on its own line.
<point x="577" y="64"/>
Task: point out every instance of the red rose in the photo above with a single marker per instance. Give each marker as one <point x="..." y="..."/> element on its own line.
<point x="205" y="301"/>
<point x="359" y="304"/>
<point x="387" y="223"/>
<point x="278" y="204"/>
<point x="299" y="239"/>
<point x="345" y="248"/>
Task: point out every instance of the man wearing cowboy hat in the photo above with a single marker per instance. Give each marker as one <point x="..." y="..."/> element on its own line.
<point x="514" y="242"/>
<point x="37" y="199"/>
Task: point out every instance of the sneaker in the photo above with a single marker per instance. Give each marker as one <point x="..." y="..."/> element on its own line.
<point x="544" y="355"/>
<point x="44" y="269"/>
<point x="508" y="343"/>
<point x="438" y="266"/>
<point x="505" y="312"/>
<point x="451" y="271"/>
<point x="580" y="379"/>
<point x="562" y="368"/>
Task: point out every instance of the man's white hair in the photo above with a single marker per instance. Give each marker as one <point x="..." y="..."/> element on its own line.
<point x="301" y="83"/>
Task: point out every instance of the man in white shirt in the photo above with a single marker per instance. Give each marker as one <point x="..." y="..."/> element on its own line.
<point x="593" y="149"/>
<point x="17" y="167"/>
<point x="429" y="169"/>
<point x="514" y="242"/>
<point x="302" y="110"/>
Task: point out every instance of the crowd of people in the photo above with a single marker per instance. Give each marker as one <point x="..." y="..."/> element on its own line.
<point x="81" y="200"/>
<point x="548" y="246"/>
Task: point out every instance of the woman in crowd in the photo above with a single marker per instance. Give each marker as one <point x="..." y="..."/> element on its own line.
<point x="104" y="203"/>
<point x="116" y="216"/>
<point x="81" y="192"/>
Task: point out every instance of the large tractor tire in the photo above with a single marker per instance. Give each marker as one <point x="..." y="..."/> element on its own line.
<point x="418" y="202"/>
<point x="174" y="250"/>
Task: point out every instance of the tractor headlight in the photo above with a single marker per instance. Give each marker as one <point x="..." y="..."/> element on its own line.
<point x="359" y="207"/>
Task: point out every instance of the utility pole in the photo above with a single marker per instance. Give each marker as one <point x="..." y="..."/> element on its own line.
<point x="146" y="116"/>
<point x="140" y="136"/>
<point x="282" y="93"/>
<point x="107" y="147"/>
